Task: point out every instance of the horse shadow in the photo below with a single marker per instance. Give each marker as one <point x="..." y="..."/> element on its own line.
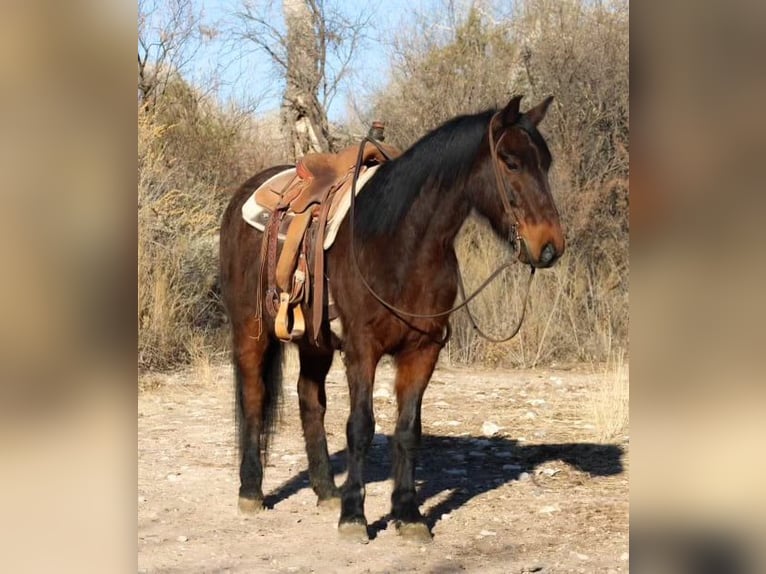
<point x="465" y="466"/>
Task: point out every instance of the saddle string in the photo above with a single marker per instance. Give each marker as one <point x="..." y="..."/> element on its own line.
<point x="400" y="312"/>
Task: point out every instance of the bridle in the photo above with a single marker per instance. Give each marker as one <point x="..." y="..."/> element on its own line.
<point x="515" y="240"/>
<point x="502" y="190"/>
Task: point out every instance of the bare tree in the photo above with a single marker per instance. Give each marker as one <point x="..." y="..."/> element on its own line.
<point x="168" y="34"/>
<point x="311" y="49"/>
<point x="302" y="114"/>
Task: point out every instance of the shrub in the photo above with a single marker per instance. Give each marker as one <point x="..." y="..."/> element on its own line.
<point x="578" y="52"/>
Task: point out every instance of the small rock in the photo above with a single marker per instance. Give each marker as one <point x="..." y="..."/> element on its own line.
<point x="489" y="429"/>
<point x="453" y="423"/>
<point x="549" y="509"/>
<point x="524" y="476"/>
<point x="445" y="516"/>
<point x="624" y="556"/>
<point x="487" y="533"/>
<point x="174" y="476"/>
<point x="582" y="556"/>
<point x="550" y="471"/>
<point x="182" y="538"/>
<point x="530" y="415"/>
<point x="536" y="402"/>
<point x="141" y="499"/>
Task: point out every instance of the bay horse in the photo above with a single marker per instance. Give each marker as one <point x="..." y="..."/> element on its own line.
<point x="402" y="243"/>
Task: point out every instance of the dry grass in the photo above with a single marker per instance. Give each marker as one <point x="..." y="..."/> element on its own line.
<point x="609" y="404"/>
<point x="181" y="194"/>
<point x="202" y="359"/>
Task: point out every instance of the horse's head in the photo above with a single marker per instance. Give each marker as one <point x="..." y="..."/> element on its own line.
<point x="518" y="201"/>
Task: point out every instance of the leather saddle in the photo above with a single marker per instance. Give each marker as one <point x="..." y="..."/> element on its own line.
<point x="293" y="250"/>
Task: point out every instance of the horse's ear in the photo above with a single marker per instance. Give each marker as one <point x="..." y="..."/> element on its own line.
<point x="537" y="113"/>
<point x="511" y="111"/>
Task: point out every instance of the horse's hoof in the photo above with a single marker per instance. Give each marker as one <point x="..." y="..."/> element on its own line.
<point x="354" y="532"/>
<point x="331" y="503"/>
<point x="414" y="532"/>
<point x="250" y="505"/>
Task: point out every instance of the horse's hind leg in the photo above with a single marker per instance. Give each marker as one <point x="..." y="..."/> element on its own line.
<point x="313" y="404"/>
<point x="414" y="369"/>
<point x="257" y="365"/>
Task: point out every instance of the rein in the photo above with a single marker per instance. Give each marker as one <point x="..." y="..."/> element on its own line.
<point x="461" y="288"/>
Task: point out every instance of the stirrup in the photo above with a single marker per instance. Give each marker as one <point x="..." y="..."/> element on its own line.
<point x="281" y="322"/>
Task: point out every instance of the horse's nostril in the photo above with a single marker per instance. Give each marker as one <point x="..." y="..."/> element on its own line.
<point x="547" y="254"/>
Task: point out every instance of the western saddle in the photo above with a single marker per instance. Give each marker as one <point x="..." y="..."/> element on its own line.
<point x="299" y="207"/>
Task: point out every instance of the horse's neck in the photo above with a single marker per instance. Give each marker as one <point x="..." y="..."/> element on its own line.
<point x="435" y="219"/>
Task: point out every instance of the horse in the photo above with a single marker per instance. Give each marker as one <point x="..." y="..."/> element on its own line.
<point x="396" y="252"/>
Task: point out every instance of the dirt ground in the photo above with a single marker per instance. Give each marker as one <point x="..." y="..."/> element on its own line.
<point x="541" y="494"/>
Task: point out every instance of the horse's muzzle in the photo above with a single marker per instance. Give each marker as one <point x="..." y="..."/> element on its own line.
<point x="548" y="255"/>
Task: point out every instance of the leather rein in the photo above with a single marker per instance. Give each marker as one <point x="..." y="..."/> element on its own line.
<point x="501" y="189"/>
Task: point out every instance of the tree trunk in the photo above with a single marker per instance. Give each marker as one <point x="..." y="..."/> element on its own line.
<point x="303" y="117"/>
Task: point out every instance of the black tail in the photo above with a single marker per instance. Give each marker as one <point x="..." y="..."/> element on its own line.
<point x="272" y="378"/>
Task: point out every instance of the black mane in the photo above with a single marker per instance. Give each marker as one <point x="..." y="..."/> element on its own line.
<point x="446" y="154"/>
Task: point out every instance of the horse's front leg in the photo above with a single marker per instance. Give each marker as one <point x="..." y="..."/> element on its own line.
<point x="360" y="428"/>
<point x="414" y="370"/>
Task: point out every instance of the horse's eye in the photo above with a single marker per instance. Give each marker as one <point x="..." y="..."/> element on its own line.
<point x="512" y="163"/>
